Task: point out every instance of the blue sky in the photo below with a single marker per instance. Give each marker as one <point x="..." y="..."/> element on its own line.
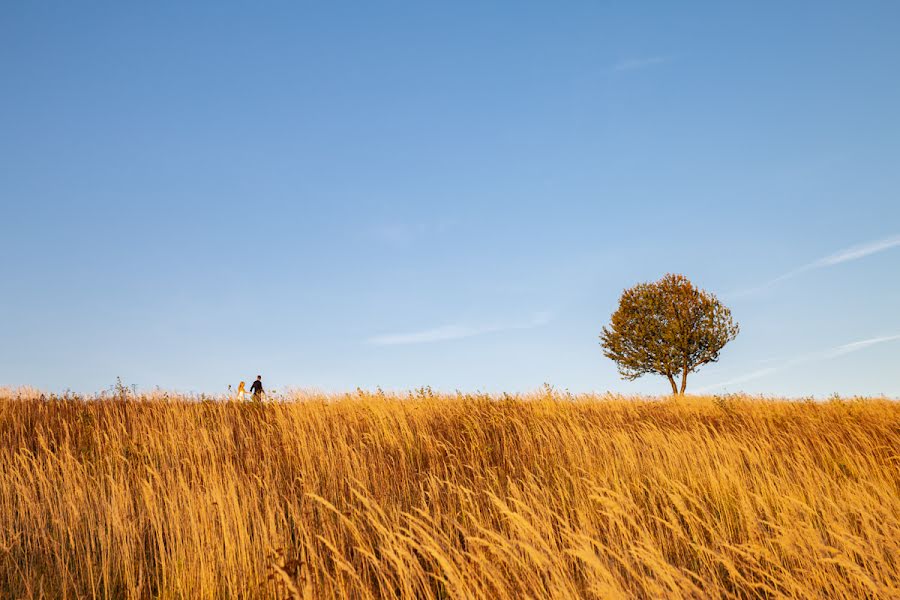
<point x="445" y="194"/>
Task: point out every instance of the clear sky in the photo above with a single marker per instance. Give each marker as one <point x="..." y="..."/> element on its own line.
<point x="448" y="194"/>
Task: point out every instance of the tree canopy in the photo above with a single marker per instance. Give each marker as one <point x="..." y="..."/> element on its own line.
<point x="669" y="327"/>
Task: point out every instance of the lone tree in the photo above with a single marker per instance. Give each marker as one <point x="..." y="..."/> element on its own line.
<point x="668" y="327"/>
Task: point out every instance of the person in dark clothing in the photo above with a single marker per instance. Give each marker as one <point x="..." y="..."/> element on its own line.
<point x="257" y="389"/>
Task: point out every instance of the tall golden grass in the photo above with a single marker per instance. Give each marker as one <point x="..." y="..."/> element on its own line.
<point x="449" y="496"/>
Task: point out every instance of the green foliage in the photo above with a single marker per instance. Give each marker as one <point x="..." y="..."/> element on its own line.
<point x="668" y="327"/>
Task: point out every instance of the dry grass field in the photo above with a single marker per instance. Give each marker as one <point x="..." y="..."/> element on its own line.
<point x="461" y="496"/>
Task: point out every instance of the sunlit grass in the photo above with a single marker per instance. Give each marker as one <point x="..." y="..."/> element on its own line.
<point x="367" y="495"/>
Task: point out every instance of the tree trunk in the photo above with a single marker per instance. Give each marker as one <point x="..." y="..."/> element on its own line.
<point x="684" y="372"/>
<point x="674" y="387"/>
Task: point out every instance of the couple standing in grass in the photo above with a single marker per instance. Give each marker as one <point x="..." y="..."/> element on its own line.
<point x="256" y="389"/>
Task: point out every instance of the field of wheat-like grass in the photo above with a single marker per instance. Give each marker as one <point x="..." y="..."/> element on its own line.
<point x="431" y="496"/>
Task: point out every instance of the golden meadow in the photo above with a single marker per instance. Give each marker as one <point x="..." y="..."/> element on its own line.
<point x="423" y="495"/>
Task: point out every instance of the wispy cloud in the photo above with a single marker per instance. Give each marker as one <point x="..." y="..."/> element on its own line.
<point x="805" y="358"/>
<point x="456" y="332"/>
<point x="860" y="345"/>
<point x="633" y="64"/>
<point x="740" y="379"/>
<point x="846" y="255"/>
<point x="857" y="252"/>
<point x="405" y="234"/>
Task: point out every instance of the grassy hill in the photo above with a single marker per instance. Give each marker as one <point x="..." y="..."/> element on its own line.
<point x="463" y="496"/>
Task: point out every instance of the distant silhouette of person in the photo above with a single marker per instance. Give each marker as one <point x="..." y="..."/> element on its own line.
<point x="257" y="389"/>
<point x="242" y="391"/>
